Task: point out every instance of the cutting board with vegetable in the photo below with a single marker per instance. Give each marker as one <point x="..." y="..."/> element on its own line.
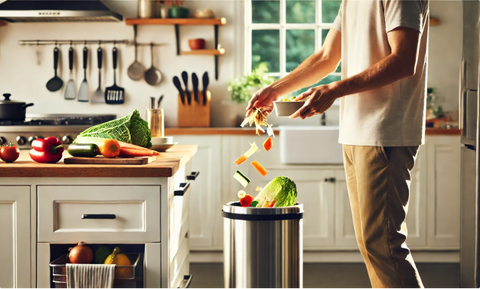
<point x="109" y="161"/>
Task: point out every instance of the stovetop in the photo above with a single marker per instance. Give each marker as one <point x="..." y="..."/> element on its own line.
<point x="60" y="119"/>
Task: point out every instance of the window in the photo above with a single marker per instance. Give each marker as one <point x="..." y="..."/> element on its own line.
<point x="283" y="33"/>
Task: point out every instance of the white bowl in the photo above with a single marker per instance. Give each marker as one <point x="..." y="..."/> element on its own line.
<point x="286" y="108"/>
<point x="162" y="140"/>
<point x="162" y="147"/>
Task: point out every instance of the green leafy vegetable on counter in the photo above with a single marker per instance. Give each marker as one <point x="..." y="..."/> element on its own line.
<point x="281" y="189"/>
<point x="130" y="129"/>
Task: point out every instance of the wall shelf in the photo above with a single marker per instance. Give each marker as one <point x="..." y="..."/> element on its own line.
<point x="220" y="51"/>
<point x="177" y="22"/>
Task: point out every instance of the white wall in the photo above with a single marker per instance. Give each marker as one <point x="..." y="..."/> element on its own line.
<point x="21" y="76"/>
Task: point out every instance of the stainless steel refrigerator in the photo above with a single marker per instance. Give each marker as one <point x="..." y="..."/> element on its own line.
<point x="469" y="84"/>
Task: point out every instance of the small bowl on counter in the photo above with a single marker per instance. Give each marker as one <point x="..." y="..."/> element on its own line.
<point x="286" y="108"/>
<point x="161" y="144"/>
<point x="197" y="43"/>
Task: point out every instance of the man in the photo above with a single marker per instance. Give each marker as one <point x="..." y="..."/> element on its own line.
<point x="382" y="45"/>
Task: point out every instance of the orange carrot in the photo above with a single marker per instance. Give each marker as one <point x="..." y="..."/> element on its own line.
<point x="131" y="150"/>
<point x="240" y="160"/>
<point x="267" y="145"/>
<point x="130" y="153"/>
<point x="259" y="168"/>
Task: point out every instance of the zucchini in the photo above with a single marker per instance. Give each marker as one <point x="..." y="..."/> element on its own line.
<point x="83" y="150"/>
<point x="241" y="178"/>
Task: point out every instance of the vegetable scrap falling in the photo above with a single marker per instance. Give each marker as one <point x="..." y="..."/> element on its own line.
<point x="246" y="155"/>
<point x="241" y="178"/>
<point x="245" y="199"/>
<point x="256" y="116"/>
<point x="259" y="168"/>
<point x="267" y="145"/>
<point x="281" y="191"/>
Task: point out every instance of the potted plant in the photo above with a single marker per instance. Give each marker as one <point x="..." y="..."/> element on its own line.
<point x="241" y="89"/>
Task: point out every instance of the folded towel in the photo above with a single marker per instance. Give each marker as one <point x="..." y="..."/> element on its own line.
<point x="90" y="275"/>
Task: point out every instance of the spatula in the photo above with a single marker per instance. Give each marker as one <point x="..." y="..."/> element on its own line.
<point x="114" y="94"/>
<point x="83" y="92"/>
<point x="99" y="96"/>
<point x="70" y="91"/>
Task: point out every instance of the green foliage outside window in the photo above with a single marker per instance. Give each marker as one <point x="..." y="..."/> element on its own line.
<point x="242" y="89"/>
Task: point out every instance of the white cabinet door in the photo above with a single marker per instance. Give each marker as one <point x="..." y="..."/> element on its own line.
<point x="317" y="194"/>
<point x="205" y="198"/>
<point x="417" y="213"/>
<point x="443" y="217"/>
<point x="15" y="237"/>
<point x="344" y="230"/>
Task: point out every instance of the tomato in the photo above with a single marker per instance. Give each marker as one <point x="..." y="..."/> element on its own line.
<point x="9" y="153"/>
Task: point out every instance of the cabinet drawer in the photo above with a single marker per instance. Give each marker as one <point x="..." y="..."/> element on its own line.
<point x="98" y="213"/>
<point x="178" y="261"/>
<point x="179" y="217"/>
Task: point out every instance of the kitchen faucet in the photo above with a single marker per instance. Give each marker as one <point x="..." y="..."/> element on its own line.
<point x="323" y="121"/>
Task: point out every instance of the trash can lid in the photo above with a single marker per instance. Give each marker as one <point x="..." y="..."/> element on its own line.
<point x="233" y="210"/>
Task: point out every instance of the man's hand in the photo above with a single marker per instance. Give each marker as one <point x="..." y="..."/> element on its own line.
<point x="321" y="99"/>
<point x="263" y="99"/>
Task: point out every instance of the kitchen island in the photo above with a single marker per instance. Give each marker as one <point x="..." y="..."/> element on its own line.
<point x="44" y="207"/>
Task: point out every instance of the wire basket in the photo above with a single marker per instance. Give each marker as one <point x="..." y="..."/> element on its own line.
<point x="125" y="276"/>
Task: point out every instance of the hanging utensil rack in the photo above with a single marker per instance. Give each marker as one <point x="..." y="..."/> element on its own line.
<point x="60" y="42"/>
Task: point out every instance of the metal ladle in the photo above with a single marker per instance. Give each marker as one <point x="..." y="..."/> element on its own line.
<point x="153" y="76"/>
<point x="136" y="69"/>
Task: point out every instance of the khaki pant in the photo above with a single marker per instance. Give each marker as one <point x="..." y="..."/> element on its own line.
<point x="378" y="182"/>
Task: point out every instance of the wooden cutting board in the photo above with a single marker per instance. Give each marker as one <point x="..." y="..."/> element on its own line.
<point x="109" y="161"/>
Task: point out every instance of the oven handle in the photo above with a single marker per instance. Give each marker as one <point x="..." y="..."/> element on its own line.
<point x="99" y="216"/>
<point x="187" y="279"/>
<point x="182" y="189"/>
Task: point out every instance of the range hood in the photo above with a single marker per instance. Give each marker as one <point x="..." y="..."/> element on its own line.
<point x="56" y="11"/>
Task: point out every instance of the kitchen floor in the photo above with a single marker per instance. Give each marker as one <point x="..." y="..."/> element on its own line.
<point x="335" y="275"/>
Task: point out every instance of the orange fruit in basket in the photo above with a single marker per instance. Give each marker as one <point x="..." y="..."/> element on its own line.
<point x="120" y="259"/>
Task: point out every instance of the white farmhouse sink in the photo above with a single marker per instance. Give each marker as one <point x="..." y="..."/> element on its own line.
<point x="310" y="145"/>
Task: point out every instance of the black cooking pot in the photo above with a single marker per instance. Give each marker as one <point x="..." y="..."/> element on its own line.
<point x="12" y="110"/>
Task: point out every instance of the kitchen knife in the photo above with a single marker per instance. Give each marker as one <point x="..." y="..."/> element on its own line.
<point x="195" y="86"/>
<point x="187" y="92"/>
<point x="176" y="82"/>
<point x="205" y="82"/>
<point x="152" y="102"/>
<point x="159" y="101"/>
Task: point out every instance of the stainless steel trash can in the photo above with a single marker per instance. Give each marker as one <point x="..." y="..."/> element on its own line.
<point x="263" y="247"/>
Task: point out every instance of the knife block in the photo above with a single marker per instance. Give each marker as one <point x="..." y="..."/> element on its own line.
<point x="196" y="114"/>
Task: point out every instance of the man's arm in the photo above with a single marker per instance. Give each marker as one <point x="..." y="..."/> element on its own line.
<point x="309" y="72"/>
<point x="400" y="63"/>
<point x="315" y="67"/>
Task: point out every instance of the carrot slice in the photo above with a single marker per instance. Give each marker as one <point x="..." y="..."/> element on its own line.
<point x="240" y="160"/>
<point x="267" y="145"/>
<point x="259" y="168"/>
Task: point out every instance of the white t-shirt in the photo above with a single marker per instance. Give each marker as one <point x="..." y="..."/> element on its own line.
<point x="393" y="115"/>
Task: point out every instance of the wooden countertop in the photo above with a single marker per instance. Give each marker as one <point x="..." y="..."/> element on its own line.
<point x="251" y="131"/>
<point x="166" y="165"/>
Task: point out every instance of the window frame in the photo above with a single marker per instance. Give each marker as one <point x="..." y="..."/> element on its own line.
<point x="282" y="26"/>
